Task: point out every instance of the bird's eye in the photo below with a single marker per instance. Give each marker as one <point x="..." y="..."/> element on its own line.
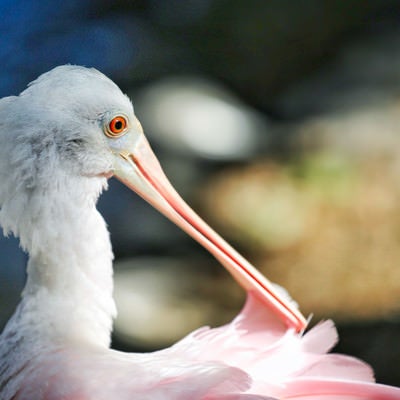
<point x="116" y="127"/>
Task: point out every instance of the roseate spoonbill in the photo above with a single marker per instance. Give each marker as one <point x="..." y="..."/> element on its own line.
<point x="61" y="139"/>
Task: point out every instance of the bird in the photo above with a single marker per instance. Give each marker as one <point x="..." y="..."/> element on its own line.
<point x="61" y="140"/>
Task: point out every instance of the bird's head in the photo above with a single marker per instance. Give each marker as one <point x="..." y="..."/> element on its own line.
<point x="59" y="142"/>
<point x="66" y="134"/>
<point x="66" y="120"/>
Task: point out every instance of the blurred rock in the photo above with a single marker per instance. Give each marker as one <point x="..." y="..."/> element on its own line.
<point x="160" y="300"/>
<point x="198" y="118"/>
<point x="325" y="227"/>
<point x="252" y="203"/>
<point x="363" y="133"/>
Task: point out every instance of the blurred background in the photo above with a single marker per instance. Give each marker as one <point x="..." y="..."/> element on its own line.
<point x="279" y="121"/>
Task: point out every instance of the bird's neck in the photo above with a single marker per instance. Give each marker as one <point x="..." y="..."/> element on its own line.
<point x="68" y="294"/>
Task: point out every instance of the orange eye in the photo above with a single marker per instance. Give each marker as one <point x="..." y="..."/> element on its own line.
<point x="116" y="126"/>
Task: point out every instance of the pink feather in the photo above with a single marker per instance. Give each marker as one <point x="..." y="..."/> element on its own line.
<point x="255" y="357"/>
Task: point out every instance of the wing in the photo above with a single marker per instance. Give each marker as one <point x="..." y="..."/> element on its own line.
<point x="105" y="375"/>
<point x="255" y="357"/>
<point x="282" y="363"/>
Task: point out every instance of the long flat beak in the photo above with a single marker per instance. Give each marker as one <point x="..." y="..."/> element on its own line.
<point x="138" y="168"/>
